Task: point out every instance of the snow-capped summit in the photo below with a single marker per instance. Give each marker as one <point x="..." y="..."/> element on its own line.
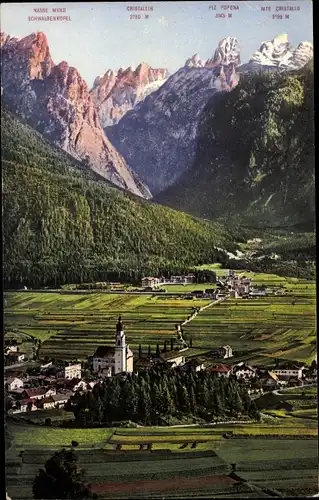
<point x="194" y="62"/>
<point x="302" y="54"/>
<point x="273" y="53"/>
<point x="278" y="53"/>
<point x="227" y="52"/>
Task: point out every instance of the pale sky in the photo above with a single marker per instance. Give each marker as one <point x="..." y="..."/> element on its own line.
<point x="101" y="35"/>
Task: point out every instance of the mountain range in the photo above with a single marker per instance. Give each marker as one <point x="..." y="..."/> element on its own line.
<point x="165" y="124"/>
<point x="179" y="137"/>
<point x="255" y="154"/>
<point x="115" y="93"/>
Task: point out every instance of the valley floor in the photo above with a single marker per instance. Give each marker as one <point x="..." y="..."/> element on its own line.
<point x="278" y="455"/>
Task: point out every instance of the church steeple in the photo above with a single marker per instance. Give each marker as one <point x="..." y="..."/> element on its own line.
<point x="119" y="326"/>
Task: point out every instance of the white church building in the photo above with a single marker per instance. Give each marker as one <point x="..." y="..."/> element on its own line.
<point x="114" y="360"/>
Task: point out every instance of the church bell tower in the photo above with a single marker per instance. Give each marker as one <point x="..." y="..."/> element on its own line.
<point x="120" y="348"/>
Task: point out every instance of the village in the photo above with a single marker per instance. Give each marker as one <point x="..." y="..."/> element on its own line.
<point x="53" y="384"/>
<point x="229" y="285"/>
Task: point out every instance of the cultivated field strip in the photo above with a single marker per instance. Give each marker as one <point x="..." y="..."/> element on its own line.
<point x="278" y="326"/>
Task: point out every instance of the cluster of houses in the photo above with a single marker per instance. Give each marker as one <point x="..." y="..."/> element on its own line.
<point x="152" y="282"/>
<point x="12" y="353"/>
<point x="55" y="392"/>
<point x="229" y="285"/>
<point x="268" y="377"/>
<point x="238" y="286"/>
<point x="54" y="385"/>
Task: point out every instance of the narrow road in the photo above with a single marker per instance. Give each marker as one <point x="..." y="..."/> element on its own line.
<point x="16" y="365"/>
<point x="279" y="392"/>
<point x="195" y="313"/>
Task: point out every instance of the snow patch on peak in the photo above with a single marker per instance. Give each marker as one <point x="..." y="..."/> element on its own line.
<point x="278" y="53"/>
<point x="194" y="62"/>
<point x="227" y="53"/>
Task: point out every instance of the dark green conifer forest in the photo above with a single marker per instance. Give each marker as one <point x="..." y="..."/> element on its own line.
<point x="62" y="224"/>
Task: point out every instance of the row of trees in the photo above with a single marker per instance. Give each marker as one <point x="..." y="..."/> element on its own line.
<point x="155" y="396"/>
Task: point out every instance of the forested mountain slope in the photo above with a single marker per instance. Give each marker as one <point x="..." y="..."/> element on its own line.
<point x="61" y="224"/>
<point x="255" y="153"/>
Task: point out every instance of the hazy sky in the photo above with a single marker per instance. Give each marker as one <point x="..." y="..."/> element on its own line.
<point x="101" y="35"/>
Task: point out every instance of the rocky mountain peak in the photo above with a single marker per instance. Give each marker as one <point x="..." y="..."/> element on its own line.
<point x="226" y="54"/>
<point x="302" y="54"/>
<point x="32" y="52"/>
<point x="278" y="53"/>
<point x="4" y="38"/>
<point x="55" y="100"/>
<point x="116" y="93"/>
<point x="194" y="62"/>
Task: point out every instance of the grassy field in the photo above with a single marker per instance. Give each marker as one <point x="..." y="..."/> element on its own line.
<point x="259" y="330"/>
<point x="88" y="320"/>
<point x="288" y="465"/>
<point x="294" y="407"/>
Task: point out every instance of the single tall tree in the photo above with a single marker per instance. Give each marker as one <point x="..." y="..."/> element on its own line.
<point x="62" y="478"/>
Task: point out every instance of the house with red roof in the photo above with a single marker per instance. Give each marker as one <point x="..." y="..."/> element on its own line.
<point x="220" y="370"/>
<point x="25" y="405"/>
<point x="38" y="393"/>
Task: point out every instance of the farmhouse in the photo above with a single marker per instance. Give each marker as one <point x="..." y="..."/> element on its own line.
<point x="193" y="365"/>
<point x="240" y="285"/>
<point x="244" y="372"/>
<point x="14" y="383"/>
<point x="76" y="384"/>
<point x="11" y="348"/>
<point x="70" y="371"/>
<point x="222" y="352"/>
<point x="183" y="279"/>
<point x="268" y="378"/>
<point x="220" y="370"/>
<point x="46" y="403"/>
<point x="225" y="351"/>
<point x="16" y="357"/>
<point x="45" y="367"/>
<point x="38" y="393"/>
<point x="150" y="281"/>
<point x="61" y="399"/>
<point x="292" y="372"/>
<point x="26" y="405"/>
<point x="173" y="358"/>
<point x="143" y="362"/>
<point x="119" y="358"/>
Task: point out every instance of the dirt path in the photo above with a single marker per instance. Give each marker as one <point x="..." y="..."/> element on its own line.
<point x="195" y="313"/>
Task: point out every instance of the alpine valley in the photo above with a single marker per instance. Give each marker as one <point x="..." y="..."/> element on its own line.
<point x="222" y="140"/>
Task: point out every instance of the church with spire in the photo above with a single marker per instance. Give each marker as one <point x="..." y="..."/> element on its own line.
<point x="111" y="360"/>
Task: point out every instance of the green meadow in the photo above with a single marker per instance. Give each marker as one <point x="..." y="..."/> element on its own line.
<point x="262" y="460"/>
<point x="259" y="330"/>
<point x="84" y="321"/>
<point x="262" y="329"/>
